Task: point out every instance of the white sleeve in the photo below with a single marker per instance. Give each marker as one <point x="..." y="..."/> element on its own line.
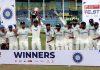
<point x="7" y="35"/>
<point x="18" y="32"/>
<point x="52" y="33"/>
<point x="98" y="32"/>
<point x="31" y="29"/>
<point x="28" y="30"/>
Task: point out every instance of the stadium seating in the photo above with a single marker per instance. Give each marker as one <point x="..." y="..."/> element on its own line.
<point x="51" y="17"/>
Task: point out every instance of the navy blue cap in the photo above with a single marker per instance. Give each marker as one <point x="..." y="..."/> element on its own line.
<point x="15" y="25"/>
<point x="22" y="23"/>
<point x="1" y="26"/>
<point x="48" y="24"/>
<point x="10" y="26"/>
<point x="58" y="25"/>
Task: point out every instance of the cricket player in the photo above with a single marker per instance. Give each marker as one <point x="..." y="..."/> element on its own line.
<point x="49" y="37"/>
<point x="23" y="37"/>
<point x="3" y="41"/>
<point x="75" y="34"/>
<point x="36" y="28"/>
<point x="12" y="38"/>
<point x="84" y="37"/>
<point x="59" y="37"/>
<point x="92" y="34"/>
<point x="68" y="33"/>
<point x="97" y="36"/>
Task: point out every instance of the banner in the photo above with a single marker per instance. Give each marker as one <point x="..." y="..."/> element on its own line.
<point x="0" y="12"/>
<point x="91" y="10"/>
<point x="8" y="15"/>
<point x="74" y="58"/>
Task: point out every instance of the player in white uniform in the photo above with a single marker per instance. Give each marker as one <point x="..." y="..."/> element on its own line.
<point x="84" y="37"/>
<point x="3" y="41"/>
<point x="68" y="37"/>
<point x="92" y="34"/>
<point x="97" y="36"/>
<point x="75" y="34"/>
<point x="36" y="28"/>
<point x="23" y="37"/>
<point x="49" y="37"/>
<point x="59" y="38"/>
<point x="12" y="38"/>
<point x="0" y="36"/>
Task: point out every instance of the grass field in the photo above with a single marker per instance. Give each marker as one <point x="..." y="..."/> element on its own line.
<point x="34" y="67"/>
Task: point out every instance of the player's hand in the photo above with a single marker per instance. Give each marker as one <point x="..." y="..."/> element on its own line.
<point x="94" y="39"/>
<point x="7" y="45"/>
<point x="48" y="41"/>
<point x="15" y="30"/>
<point x="71" y="37"/>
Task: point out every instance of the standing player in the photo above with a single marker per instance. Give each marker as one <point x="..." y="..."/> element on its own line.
<point x="0" y="36"/>
<point x="84" y="37"/>
<point x="97" y="36"/>
<point x="23" y="37"/>
<point x="59" y="37"/>
<point x="68" y="37"/>
<point x="49" y="37"/>
<point x="12" y="38"/>
<point x="36" y="28"/>
<point x="75" y="34"/>
<point x="3" y="40"/>
<point x="92" y="33"/>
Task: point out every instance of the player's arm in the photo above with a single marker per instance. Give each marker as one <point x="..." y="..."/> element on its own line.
<point x="39" y="23"/>
<point x="18" y="33"/>
<point x="72" y="35"/>
<point x="15" y="31"/>
<point x="50" y="40"/>
<point x="96" y="38"/>
<point x="7" y="37"/>
<point x="52" y="36"/>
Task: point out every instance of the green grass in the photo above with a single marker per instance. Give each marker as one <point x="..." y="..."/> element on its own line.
<point x="34" y="67"/>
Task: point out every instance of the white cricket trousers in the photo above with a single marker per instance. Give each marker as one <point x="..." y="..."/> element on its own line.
<point x="36" y="44"/>
<point x="50" y="46"/>
<point x="85" y="44"/>
<point x="59" y="45"/>
<point x="23" y="45"/>
<point x="69" y="44"/>
<point x="13" y="45"/>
